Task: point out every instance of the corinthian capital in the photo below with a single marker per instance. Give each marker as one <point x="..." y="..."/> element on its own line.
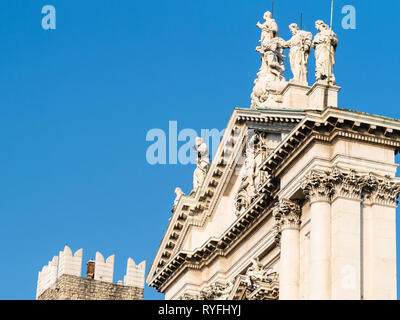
<point x="383" y="191"/>
<point x="317" y="186"/>
<point x="327" y="186"/>
<point x="348" y="184"/>
<point x="287" y="215"/>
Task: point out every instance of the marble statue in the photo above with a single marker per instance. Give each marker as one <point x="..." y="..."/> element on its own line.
<point x="179" y="193"/>
<point x="270" y="77"/>
<point x="245" y="194"/>
<point x="269" y="28"/>
<point x="325" y="44"/>
<point x="254" y="274"/>
<point x="258" y="275"/>
<point x="247" y="188"/>
<point x="300" y="47"/>
<point x="202" y="162"/>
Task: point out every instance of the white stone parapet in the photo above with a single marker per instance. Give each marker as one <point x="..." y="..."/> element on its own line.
<point x="71" y="264"/>
<point x="47" y="277"/>
<point x="135" y="274"/>
<point x="104" y="271"/>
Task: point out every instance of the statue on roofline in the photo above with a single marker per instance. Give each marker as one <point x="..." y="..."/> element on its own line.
<point x="270" y="82"/>
<point x="202" y="162"/>
<point x="179" y="193"/>
<point x="270" y="77"/>
<point x="325" y="44"/>
<point x="300" y="47"/>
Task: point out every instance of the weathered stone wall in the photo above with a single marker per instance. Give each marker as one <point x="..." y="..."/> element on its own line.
<point x="70" y="287"/>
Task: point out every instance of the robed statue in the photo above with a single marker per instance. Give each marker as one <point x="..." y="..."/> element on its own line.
<point x="300" y="47"/>
<point x="325" y="44"/>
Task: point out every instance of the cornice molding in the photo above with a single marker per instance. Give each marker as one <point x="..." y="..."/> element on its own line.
<point x="328" y="126"/>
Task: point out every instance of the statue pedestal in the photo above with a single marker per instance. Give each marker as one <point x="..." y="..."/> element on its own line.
<point x="321" y="96"/>
<point x="294" y="96"/>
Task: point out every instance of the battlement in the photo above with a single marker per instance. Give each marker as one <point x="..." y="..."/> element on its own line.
<point x="69" y="266"/>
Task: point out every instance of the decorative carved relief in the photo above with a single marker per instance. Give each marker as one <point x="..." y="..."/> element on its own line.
<point x="256" y="152"/>
<point x="188" y="296"/>
<point x="247" y="188"/>
<point x="383" y="191"/>
<point x="317" y="186"/>
<point x="287" y="215"/>
<point x="260" y="282"/>
<point x="217" y="291"/>
<point x="347" y="185"/>
<point x="277" y="234"/>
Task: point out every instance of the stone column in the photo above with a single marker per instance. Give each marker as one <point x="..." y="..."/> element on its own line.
<point x="287" y="215"/>
<point x="346" y="235"/>
<point x="379" y="263"/>
<point x="317" y="189"/>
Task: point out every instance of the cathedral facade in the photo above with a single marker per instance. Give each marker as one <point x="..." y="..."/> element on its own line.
<point x="300" y="199"/>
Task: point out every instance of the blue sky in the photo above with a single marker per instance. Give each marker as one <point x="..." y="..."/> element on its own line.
<point x="76" y="104"/>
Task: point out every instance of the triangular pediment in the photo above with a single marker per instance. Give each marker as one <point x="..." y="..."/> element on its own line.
<point x="201" y="219"/>
<point x="204" y="226"/>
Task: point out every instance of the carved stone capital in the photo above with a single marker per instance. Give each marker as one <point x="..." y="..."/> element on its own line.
<point x="347" y="184"/>
<point x="382" y="191"/>
<point x="317" y="186"/>
<point x="328" y="186"/>
<point x="287" y="215"/>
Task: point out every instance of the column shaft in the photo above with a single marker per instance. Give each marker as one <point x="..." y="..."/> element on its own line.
<point x="320" y="251"/>
<point x="287" y="215"/>
<point x="290" y="265"/>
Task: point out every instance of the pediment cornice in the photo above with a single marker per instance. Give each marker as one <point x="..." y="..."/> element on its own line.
<point x="329" y="125"/>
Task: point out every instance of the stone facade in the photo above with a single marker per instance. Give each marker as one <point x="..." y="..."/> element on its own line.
<point x="300" y="199"/>
<point x="69" y="287"/>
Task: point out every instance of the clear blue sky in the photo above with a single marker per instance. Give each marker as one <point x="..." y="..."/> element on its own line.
<point x="76" y="104"/>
